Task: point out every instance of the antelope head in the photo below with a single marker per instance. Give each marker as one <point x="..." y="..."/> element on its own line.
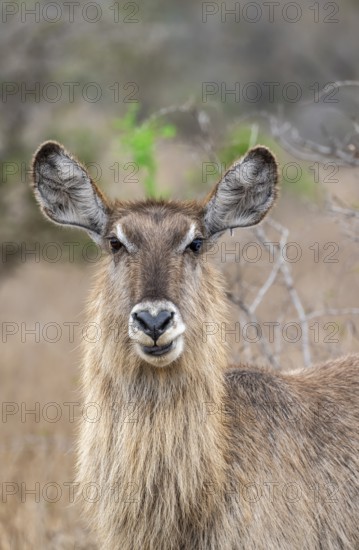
<point x="157" y="278"/>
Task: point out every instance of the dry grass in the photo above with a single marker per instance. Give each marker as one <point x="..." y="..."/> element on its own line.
<point x="34" y="450"/>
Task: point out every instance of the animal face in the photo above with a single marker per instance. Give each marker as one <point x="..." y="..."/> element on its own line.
<point x="158" y="275"/>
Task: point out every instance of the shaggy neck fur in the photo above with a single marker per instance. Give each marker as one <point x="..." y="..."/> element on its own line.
<point x="156" y="452"/>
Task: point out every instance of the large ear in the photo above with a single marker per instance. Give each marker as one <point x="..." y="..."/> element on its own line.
<point x="245" y="194"/>
<point x="65" y="191"/>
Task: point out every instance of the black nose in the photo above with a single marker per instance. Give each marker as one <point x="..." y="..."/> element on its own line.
<point x="153" y="326"/>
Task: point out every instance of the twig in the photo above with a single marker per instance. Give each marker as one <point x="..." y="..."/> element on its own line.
<point x="273" y="274"/>
<point x="332" y="311"/>
<point x="288" y="279"/>
<point x="253" y="319"/>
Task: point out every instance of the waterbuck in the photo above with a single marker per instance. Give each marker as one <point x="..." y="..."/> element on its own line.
<point x="187" y="453"/>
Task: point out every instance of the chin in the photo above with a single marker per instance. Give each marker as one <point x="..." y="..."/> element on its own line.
<point x="161" y="356"/>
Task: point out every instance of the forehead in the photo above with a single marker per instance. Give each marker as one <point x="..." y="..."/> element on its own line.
<point x="170" y="220"/>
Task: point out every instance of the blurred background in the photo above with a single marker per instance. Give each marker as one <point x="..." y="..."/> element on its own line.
<point x="158" y="99"/>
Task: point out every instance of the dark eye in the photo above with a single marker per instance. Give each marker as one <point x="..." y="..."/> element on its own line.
<point x="196" y="245"/>
<point x="115" y="244"/>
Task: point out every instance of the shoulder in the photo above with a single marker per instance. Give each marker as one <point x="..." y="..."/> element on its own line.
<point x="248" y="375"/>
<point x="335" y="381"/>
<point x="255" y="384"/>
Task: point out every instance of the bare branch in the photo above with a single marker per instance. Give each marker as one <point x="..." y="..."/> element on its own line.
<point x="273" y="274"/>
<point x="253" y="319"/>
<point x="332" y="311"/>
<point x="289" y="283"/>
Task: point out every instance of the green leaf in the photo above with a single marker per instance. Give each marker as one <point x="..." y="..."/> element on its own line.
<point x="139" y="141"/>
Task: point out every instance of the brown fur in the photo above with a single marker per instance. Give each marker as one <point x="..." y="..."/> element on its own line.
<point x="194" y="455"/>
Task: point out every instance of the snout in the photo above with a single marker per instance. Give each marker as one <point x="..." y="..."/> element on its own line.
<point x="153" y="325"/>
<point x="156" y="328"/>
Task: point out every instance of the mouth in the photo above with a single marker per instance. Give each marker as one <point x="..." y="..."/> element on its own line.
<point x="161" y="356"/>
<point x="157" y="350"/>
